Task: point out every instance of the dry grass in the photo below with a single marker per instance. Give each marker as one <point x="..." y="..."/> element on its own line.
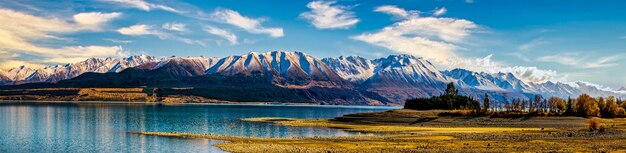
<point x="410" y="143"/>
<point x="388" y="128"/>
<point x="446" y="135"/>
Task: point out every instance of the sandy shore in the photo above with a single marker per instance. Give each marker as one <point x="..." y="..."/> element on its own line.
<point x="423" y="131"/>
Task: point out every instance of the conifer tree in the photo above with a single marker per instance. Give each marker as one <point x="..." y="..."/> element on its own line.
<point x="486" y="102"/>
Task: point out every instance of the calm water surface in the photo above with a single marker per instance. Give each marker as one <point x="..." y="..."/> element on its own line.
<point x="104" y="127"/>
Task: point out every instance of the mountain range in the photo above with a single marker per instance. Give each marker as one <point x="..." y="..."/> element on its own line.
<point x="292" y="76"/>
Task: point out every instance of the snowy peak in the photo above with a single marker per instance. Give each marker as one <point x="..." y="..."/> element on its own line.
<point x="56" y="73"/>
<point x="409" y="69"/>
<point x="292" y="67"/>
<point x="352" y="68"/>
<point x="482" y="81"/>
<point x="200" y="63"/>
<point x="394" y="68"/>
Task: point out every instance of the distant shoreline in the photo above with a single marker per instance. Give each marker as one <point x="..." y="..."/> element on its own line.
<point x="191" y="103"/>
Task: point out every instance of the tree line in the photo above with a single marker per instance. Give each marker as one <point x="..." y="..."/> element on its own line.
<point x="449" y="100"/>
<point x="583" y="105"/>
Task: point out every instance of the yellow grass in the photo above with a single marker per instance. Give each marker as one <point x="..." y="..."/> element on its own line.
<point x="389" y="128"/>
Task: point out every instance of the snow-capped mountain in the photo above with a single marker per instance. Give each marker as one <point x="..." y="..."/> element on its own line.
<point x="391" y="79"/>
<point x="486" y="81"/>
<point x="405" y="71"/>
<point x="200" y="63"/>
<point x="284" y="68"/>
<point x="183" y="67"/>
<point x="56" y="73"/>
<point x="508" y="82"/>
<point x="396" y="77"/>
<point x="351" y="68"/>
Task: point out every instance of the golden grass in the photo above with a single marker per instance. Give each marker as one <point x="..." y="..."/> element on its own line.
<point x="389" y="128"/>
<point x="402" y="143"/>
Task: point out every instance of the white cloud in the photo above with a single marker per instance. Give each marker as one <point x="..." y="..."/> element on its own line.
<point x="524" y="73"/>
<point x="428" y="37"/>
<point x="8" y="64"/>
<point x="94" y="20"/>
<point x="19" y="30"/>
<point x="143" y="29"/>
<point x="608" y="61"/>
<point x="485" y="64"/>
<point x="324" y="15"/>
<point x="232" y="38"/>
<point x="563" y="58"/>
<point x="579" y="60"/>
<point x="397" y="12"/>
<point x="440" y="11"/>
<point x="231" y="17"/>
<point x="533" y="74"/>
<point x="175" y="26"/>
<point x="139" y="29"/>
<point x="118" y="41"/>
<point x="143" y="5"/>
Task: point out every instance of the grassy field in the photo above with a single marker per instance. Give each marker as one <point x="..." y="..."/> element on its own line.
<point x="424" y="131"/>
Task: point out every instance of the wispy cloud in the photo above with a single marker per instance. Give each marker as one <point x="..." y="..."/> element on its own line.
<point x="143" y="5"/>
<point x="429" y="37"/>
<point x="325" y="15"/>
<point x="608" y="61"/>
<point x="397" y="12"/>
<point x="563" y="58"/>
<point x="180" y="27"/>
<point x="118" y="41"/>
<point x="251" y="25"/>
<point x="143" y="30"/>
<point x="522" y="50"/>
<point x="578" y="59"/>
<point x="533" y="44"/>
<point x="230" y="37"/>
<point x="94" y="20"/>
<point x="439" y="12"/>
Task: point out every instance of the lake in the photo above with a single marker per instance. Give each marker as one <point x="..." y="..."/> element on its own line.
<point x="104" y="127"/>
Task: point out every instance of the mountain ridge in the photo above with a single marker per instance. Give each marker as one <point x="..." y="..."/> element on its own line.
<point x="391" y="79"/>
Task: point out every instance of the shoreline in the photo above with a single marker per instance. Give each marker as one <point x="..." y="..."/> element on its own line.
<point x="544" y="134"/>
<point x="196" y="103"/>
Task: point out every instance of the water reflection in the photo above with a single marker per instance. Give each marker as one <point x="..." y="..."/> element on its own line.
<point x="63" y="127"/>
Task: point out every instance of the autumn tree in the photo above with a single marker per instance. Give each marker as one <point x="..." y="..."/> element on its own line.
<point x="586" y="106"/>
<point x="612" y="108"/>
<point x="557" y="104"/>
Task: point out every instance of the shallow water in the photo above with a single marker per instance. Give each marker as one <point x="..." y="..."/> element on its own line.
<point x="104" y="127"/>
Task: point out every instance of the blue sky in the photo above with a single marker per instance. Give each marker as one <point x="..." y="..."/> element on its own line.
<point x="548" y="40"/>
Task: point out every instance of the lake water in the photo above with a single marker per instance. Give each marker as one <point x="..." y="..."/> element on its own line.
<point x="104" y="127"/>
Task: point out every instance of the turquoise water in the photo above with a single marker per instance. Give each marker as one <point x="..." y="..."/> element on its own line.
<point x="104" y="127"/>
